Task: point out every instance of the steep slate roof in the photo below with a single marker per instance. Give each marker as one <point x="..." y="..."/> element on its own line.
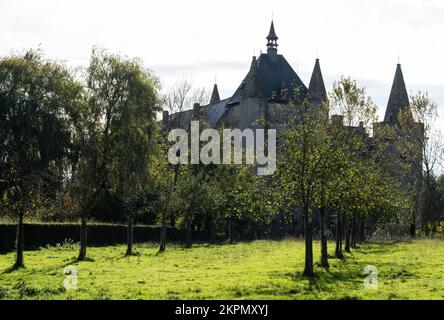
<point x="398" y="99"/>
<point x="268" y="76"/>
<point x="316" y="88"/>
<point x="272" y="76"/>
<point x="215" y="98"/>
<point x="180" y="119"/>
<point x="216" y="111"/>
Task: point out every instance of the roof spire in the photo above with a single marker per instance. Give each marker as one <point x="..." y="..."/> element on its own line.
<point x="272" y="39"/>
<point x="316" y="89"/>
<point x="215" y="98"/>
<point x="399" y="98"/>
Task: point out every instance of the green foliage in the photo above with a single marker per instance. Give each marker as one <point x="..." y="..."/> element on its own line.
<point x="38" y="99"/>
<point x="116" y="135"/>
<point x="434" y="229"/>
<point x="351" y="101"/>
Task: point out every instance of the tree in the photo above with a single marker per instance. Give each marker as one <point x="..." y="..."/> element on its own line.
<point x="182" y="96"/>
<point x="123" y="101"/>
<point x="38" y="98"/>
<point x="354" y="114"/>
<point x="352" y="102"/>
<point x="303" y="163"/>
<point x="165" y="177"/>
<point x="197" y="195"/>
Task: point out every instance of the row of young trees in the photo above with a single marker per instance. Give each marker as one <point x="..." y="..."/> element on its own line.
<point x="386" y="180"/>
<point x="90" y="143"/>
<point x="330" y="165"/>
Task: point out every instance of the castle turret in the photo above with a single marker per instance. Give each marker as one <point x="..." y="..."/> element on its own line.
<point x="398" y="99"/>
<point x="215" y="98"/>
<point x="316" y="89"/>
<point x="272" y="45"/>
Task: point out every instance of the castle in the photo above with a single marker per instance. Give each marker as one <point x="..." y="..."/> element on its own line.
<point x="266" y="91"/>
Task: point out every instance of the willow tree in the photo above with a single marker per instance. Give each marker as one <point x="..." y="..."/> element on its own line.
<point x="37" y="99"/>
<point x="122" y="102"/>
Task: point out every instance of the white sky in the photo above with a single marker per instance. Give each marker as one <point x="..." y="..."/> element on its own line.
<point x="200" y="39"/>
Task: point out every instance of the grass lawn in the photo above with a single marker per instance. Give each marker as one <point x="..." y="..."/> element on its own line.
<point x="257" y="270"/>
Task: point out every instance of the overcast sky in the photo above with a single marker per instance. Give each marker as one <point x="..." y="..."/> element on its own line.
<point x="202" y="39"/>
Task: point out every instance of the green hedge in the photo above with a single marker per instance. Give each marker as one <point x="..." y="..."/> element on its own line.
<point x="40" y="235"/>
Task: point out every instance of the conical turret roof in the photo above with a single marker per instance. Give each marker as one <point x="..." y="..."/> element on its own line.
<point x="399" y="98"/>
<point x="316" y="88"/>
<point x="215" y="98"/>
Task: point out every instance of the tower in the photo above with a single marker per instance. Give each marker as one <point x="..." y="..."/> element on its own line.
<point x="403" y="144"/>
<point x="272" y="45"/>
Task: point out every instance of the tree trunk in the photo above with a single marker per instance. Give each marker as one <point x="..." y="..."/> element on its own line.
<point x="361" y="231"/>
<point x="172" y="216"/>
<point x="230" y="229"/>
<point x="211" y="230"/>
<point x="347" y="235"/>
<point x="163" y="232"/>
<point x="413" y="224"/>
<point x="19" y="263"/>
<point x="83" y="239"/>
<point x="188" y="243"/>
<point x="293" y="224"/>
<point x="354" y="229"/>
<point x="172" y="219"/>
<point x="324" y="249"/>
<point x="338" y="251"/>
<point x="130" y="236"/>
<point x="308" y="271"/>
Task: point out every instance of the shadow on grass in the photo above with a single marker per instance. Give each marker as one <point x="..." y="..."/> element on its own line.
<point x="128" y="256"/>
<point x="13" y="269"/>
<point x="86" y="259"/>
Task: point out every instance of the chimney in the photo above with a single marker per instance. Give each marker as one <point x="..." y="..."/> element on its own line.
<point x="196" y="111"/>
<point x="165" y="116"/>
